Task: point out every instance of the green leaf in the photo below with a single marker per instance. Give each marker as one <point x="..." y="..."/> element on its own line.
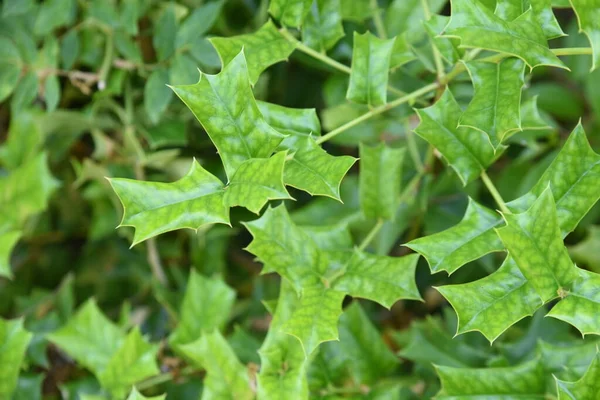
<point x="225" y="106"/>
<point x="408" y="16"/>
<point x="25" y="138"/>
<point x="16" y="7"/>
<point x="401" y="52"/>
<point x="567" y="361"/>
<point x="370" y="67"/>
<point x="586" y="388"/>
<point x="51" y="92"/>
<point x="448" y="47"/>
<point x="478" y="27"/>
<point x="496" y="105"/>
<point x="509" y="10"/>
<point x="226" y="377"/>
<point x="183" y="70"/>
<point x="525" y="381"/>
<point x="153" y="208"/>
<point x="8" y="240"/>
<point x="157" y="95"/>
<point x="135" y="395"/>
<point x="380" y="177"/>
<point x="25" y="93"/>
<point x="263" y="48"/>
<point x="10" y="67"/>
<point x="588" y="17"/>
<point x="470" y="239"/>
<point x="468" y="151"/>
<point x="13" y="343"/>
<point x="294" y="122"/>
<point x="323" y="25"/>
<point x="198" y="23"/>
<point x="257" y="181"/>
<point x="290" y="12"/>
<point x="542" y="11"/>
<point x="585" y="251"/>
<point x="330" y="237"/>
<point x="573" y="177"/>
<point x="53" y="14"/>
<point x="165" y="31"/>
<point x="206" y="307"/>
<point x="356" y="10"/>
<point x="493" y="304"/>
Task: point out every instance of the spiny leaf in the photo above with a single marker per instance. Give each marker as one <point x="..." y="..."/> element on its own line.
<point x="509" y="10"/>
<point x="380" y="177"/>
<point x="534" y="242"/>
<point x="323" y="25"/>
<point x="567" y="361"/>
<point x="225" y="106"/>
<point x="407" y="16"/>
<point x="290" y="12"/>
<point x="263" y="48"/>
<point x="8" y="240"/>
<point x="153" y="208"/>
<point x="588" y="16"/>
<point x="370" y="68"/>
<point x="586" y="388"/>
<point x="495" y="108"/>
<point x="401" y="52"/>
<point x="472" y="238"/>
<point x="573" y="177"/>
<point x="14" y="340"/>
<point x="468" y="151"/>
<point x="291" y="121"/>
<point x="448" y="47"/>
<point x="257" y="181"/>
<point x="542" y="10"/>
<point x="478" y="27"/>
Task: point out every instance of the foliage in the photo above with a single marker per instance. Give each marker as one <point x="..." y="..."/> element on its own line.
<point x="276" y="170"/>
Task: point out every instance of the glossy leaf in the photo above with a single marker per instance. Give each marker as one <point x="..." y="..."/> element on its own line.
<point x="8" y="240"/>
<point x="263" y="48"/>
<point x="370" y="67"/>
<point x="469" y="240"/>
<point x="496" y="104"/>
<point x="14" y="340"/>
<point x="542" y="11"/>
<point x="588" y="17"/>
<point x="290" y="12"/>
<point x="153" y="208"/>
<point x="225" y="106"/>
<point x="380" y="177"/>
<point x="586" y="388"/>
<point x="291" y="121"/>
<point x="323" y="25"/>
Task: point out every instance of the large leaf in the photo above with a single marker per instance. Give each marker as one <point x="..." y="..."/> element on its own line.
<point x="472" y="238"/>
<point x="542" y="10"/>
<point x="495" y="108"/>
<point x="8" y="240"/>
<point x="225" y="106"/>
<point x="263" y="48"/>
<point x="153" y="208"/>
<point x="588" y="16"/>
<point x="586" y="388"/>
<point x="290" y="12"/>
<point x="468" y="151"/>
<point x="370" y="68"/>
<point x="323" y="25"/>
<point x="13" y="343"/>
<point x="478" y="27"/>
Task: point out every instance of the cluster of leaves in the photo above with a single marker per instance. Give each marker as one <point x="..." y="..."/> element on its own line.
<point x="415" y="102"/>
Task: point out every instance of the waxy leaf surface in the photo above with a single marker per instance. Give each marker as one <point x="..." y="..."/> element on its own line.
<point x="323" y="25"/>
<point x="291" y="121"/>
<point x="588" y="16"/>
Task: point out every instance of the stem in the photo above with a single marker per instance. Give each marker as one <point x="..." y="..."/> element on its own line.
<point x="106" y="62"/>
<point x="162" y="378"/>
<point x="572" y="51"/>
<point x="494" y="192"/>
<point x="379" y="26"/>
<point x="414" y="150"/>
<point x="437" y="56"/>
<point x="371" y="235"/>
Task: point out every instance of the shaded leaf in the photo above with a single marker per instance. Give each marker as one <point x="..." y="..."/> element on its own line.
<point x="8" y="240"/>
<point x="585" y="251"/>
<point x="157" y="95"/>
<point x="586" y="388"/>
<point x="200" y="21"/>
<point x="135" y="395"/>
<point x="164" y="33"/>
<point x="323" y="25"/>
<point x="588" y="17"/>
<point x="290" y="12"/>
<point x="13" y="343"/>
<point x="10" y="67"/>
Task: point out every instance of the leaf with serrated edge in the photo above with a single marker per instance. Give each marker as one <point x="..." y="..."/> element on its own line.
<point x="370" y="69"/>
<point x="291" y="121"/>
<point x="323" y="25"/>
<point x="468" y="151"/>
<point x="226" y="108"/>
<point x="8" y="240"/>
<point x="586" y="388"/>
<point x="290" y="12"/>
<point x="567" y="360"/>
<point x="588" y="17"/>
<point x="153" y="208"/>
<point x="477" y="27"/>
<point x="496" y="105"/>
<point x="470" y="239"/>
<point x="263" y="48"/>
<point x="401" y="52"/>
<point x="14" y="340"/>
<point x="448" y="47"/>
<point x="257" y="181"/>
<point x="510" y="10"/>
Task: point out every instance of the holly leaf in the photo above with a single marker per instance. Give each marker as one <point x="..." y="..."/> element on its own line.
<point x="257" y="181"/>
<point x="225" y="106"/>
<point x="293" y="122"/>
<point x="330" y="237"/>
<point x="206" y="307"/>
<point x="153" y="208"/>
<point x="290" y="12"/>
<point x="567" y="361"/>
<point x="467" y="151"/>
<point x="14" y="340"/>
<point x="323" y="25"/>
<point x="135" y="395"/>
<point x="573" y="177"/>
<point x="496" y="105"/>
<point x="370" y="68"/>
<point x="477" y="27"/>
<point x="588" y="17"/>
<point x="542" y="11"/>
<point x="585" y="388"/>
<point x="472" y="238"/>
<point x="401" y="52"/>
<point x="263" y="48"/>
<point x="8" y="240"/>
<point x="448" y="47"/>
<point x="226" y="377"/>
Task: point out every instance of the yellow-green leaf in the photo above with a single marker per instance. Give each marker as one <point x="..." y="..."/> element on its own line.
<point x="290" y="12"/>
<point x="323" y="25"/>
<point x="13" y="343"/>
<point x="588" y="16"/>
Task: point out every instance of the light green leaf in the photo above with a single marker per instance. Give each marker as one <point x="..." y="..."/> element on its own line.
<point x="448" y="47"/>
<point x="525" y="381"/>
<point x="8" y="240"/>
<point x="478" y="27"/>
<point x="263" y="48"/>
<point x="290" y="12"/>
<point x="225" y="106"/>
<point x="382" y="279"/>
<point x="157" y="95"/>
<point x="330" y="237"/>
<point x="542" y="11"/>
<point x="370" y="68"/>
<point x="153" y="208"/>
<point x="588" y="17"/>
<point x="496" y="105"/>
<point x="568" y="360"/>
<point x="257" y="181"/>
<point x="401" y="52"/>
<point x="16" y="7"/>
<point x="323" y="25"/>
<point x="226" y="377"/>
<point x="206" y="307"/>
<point x="494" y="303"/>
<point x="291" y="121"/>
<point x="586" y="388"/>
<point x="468" y="151"/>
<point x="135" y="395"/>
<point x="470" y="239"/>
<point x="380" y="177"/>
<point x="183" y="70"/>
<point x="13" y="343"/>
<point x="25" y="138"/>
<point x="509" y="10"/>
<point x="10" y="67"/>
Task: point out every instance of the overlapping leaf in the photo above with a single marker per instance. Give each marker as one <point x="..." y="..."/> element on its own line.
<point x="13" y="343"/>
<point x="586" y="388"/>
<point x="510" y="10"/>
<point x="8" y="240"/>
<point x="293" y="122"/>
<point x="290" y="12"/>
<point x="588" y="16"/>
<point x="135" y="395"/>
<point x="323" y="25"/>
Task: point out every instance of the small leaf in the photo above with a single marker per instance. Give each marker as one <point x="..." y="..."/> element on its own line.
<point x="257" y="181"/>
<point x="10" y="67"/>
<point x="323" y="25"/>
<point x="51" y="93"/>
<point x="13" y="343"/>
<point x="25" y="93"/>
<point x="183" y="70"/>
<point x="153" y="208"/>
<point x="472" y="238"/>
<point x="291" y="121"/>
<point x="588" y="17"/>
<point x="408" y="16"/>
<point x="157" y="95"/>
<point x="263" y="48"/>
<point x="135" y="395"/>
<point x="8" y="240"/>
<point x="198" y="23"/>
<point x="370" y="67"/>
<point x="165" y="30"/>
<point x="290" y="12"/>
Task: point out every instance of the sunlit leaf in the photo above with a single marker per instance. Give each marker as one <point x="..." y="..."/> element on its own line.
<point x="13" y="343"/>
<point x="588" y="16"/>
<point x="290" y="12"/>
<point x="323" y="25"/>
